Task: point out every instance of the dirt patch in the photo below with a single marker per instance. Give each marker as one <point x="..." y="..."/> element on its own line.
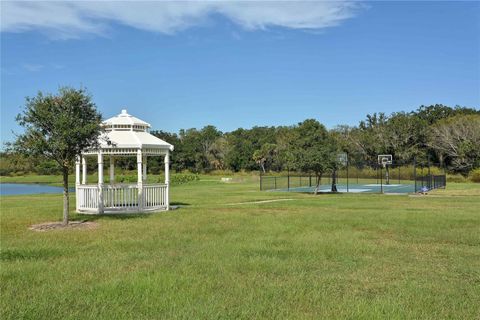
<point x="77" y="225"/>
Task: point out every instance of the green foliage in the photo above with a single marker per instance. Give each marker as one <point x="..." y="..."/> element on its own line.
<point x="12" y="163"/>
<point x="406" y="135"/>
<point x="175" y="178"/>
<point x="181" y="178"/>
<point x="265" y="156"/>
<point x="457" y="139"/>
<point x="57" y="128"/>
<point x="126" y="178"/>
<point x="475" y="175"/>
<point x="47" y="167"/>
<point x="456" y="178"/>
<point x="314" y="148"/>
<point x="434" y="113"/>
<point x="242" y="145"/>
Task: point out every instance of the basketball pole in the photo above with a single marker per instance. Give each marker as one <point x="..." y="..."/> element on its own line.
<point x="387" y="175"/>
<point x="415" y="172"/>
<point x="381" y="180"/>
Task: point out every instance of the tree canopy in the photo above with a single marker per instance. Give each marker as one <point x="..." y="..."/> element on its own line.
<point x="58" y="127"/>
<point x="405" y="135"/>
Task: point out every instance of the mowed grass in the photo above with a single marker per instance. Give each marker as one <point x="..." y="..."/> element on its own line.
<point x="357" y="256"/>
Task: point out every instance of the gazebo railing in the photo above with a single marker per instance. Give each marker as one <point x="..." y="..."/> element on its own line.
<point x="122" y="197"/>
<point x="88" y="197"/>
<point x="154" y="195"/>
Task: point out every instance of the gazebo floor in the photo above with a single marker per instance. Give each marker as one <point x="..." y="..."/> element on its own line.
<point x="118" y="210"/>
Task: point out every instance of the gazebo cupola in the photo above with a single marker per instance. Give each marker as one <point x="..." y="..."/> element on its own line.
<point x="124" y="135"/>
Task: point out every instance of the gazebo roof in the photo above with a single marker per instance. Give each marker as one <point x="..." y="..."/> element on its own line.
<point x="125" y="119"/>
<point x="124" y="134"/>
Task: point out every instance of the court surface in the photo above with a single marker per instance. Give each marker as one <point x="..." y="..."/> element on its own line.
<point x="357" y="188"/>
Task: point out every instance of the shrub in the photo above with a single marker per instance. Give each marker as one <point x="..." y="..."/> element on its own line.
<point x="5" y="171"/>
<point x="47" y="168"/>
<point x="475" y="175"/>
<point x="455" y="178"/>
<point x="126" y="178"/>
<point x="181" y="178"/>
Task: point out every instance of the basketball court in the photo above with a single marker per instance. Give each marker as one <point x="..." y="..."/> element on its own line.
<point x="387" y="178"/>
<point x="355" y="188"/>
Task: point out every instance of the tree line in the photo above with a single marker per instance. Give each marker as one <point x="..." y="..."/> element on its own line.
<point x="447" y="136"/>
<point x="57" y="127"/>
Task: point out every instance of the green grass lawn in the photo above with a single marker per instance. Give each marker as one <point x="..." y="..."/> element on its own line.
<point x="356" y="256"/>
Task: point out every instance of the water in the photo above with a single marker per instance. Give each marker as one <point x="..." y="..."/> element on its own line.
<point x="28" y="188"/>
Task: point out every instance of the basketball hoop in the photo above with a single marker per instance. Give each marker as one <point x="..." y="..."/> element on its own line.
<point x="342" y="158"/>
<point x="385" y="159"/>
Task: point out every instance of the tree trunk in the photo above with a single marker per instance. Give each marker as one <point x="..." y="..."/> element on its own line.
<point x="263" y="167"/>
<point x="334" y="181"/>
<point x="65" y="196"/>
<point x="319" y="179"/>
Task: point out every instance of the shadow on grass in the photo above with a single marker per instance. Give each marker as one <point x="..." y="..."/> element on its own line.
<point x="113" y="216"/>
<point x="183" y="204"/>
<point x="123" y="216"/>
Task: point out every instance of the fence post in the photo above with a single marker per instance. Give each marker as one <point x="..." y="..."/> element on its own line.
<point x="347" y="171"/>
<point x="444" y="176"/>
<point x="398" y="174"/>
<point x="428" y="164"/>
<point x="415" y="172"/>
<point x="275" y="183"/>
<point x="310" y="180"/>
<point x="261" y="180"/>
<point x="423" y="177"/>
<point x="288" y="179"/>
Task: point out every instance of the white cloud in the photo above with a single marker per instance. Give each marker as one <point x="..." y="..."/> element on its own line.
<point x="32" y="67"/>
<point x="76" y="18"/>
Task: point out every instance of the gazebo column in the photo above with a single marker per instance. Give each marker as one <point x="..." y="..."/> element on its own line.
<point x="140" y="180"/>
<point x="112" y="169"/>
<point x="144" y="175"/>
<point x="100" y="181"/>
<point x="77" y="181"/>
<point x="84" y="170"/>
<point x="167" y="179"/>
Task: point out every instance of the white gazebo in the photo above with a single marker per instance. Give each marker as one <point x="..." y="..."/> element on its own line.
<point x="124" y="135"/>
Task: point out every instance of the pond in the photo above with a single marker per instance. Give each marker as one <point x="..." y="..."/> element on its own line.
<point x="28" y="188"/>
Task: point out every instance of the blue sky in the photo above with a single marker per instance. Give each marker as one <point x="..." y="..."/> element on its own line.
<point x="188" y="65"/>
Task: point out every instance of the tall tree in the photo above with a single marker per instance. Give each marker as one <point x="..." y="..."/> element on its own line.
<point x="406" y="136"/>
<point x="434" y="113"/>
<point x="217" y="152"/>
<point x="59" y="127"/>
<point x="458" y="139"/>
<point x="315" y="149"/>
<point x="265" y="155"/>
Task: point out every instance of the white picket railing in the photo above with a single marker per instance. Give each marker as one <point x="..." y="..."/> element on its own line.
<point x="87" y="197"/>
<point x="120" y="198"/>
<point x="154" y="196"/>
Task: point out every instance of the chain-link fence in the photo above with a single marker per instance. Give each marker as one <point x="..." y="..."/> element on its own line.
<point x="361" y="177"/>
